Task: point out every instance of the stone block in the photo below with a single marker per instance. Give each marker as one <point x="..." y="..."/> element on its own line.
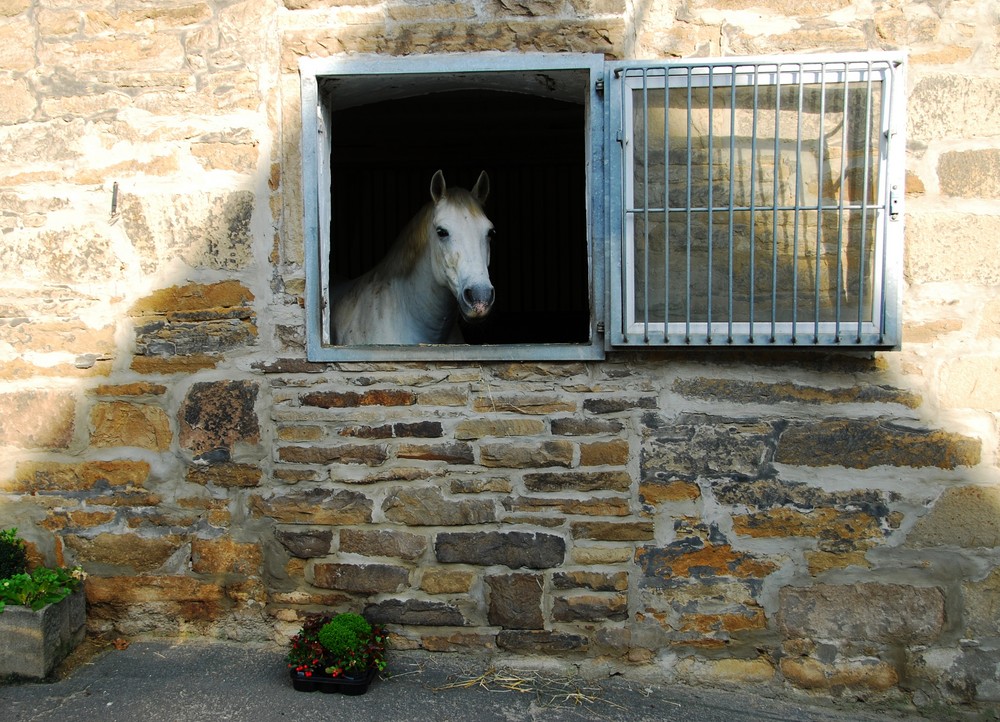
<point x="159" y="338"/>
<point x="480" y="428"/>
<point x="863" y="444"/>
<point x="595" y="581"/>
<point x="215" y="416"/>
<point x="47" y="476"/>
<point x="195" y="301"/>
<point x="537" y="404"/>
<point x="981" y="601"/>
<point x="533" y="550"/>
<point x="305" y="543"/>
<point x="225" y="476"/>
<point x="526" y="456"/>
<point x="366" y="454"/>
<point x="446" y="581"/>
<point x="415" y="612"/>
<point x="693" y="560"/>
<point x="590" y="608"/>
<point x="604" y="453"/>
<point x="118" y="423"/>
<point x="226" y="556"/>
<point x="427" y="507"/>
<point x="383" y="543"/>
<point x="599" y="506"/>
<point x="813" y="674"/>
<point x="725" y="672"/>
<point x="967" y="382"/>
<point x="964" y="517"/>
<point x="945" y="246"/>
<point x="613" y="530"/>
<point x="700" y="446"/>
<point x="452" y="453"/>
<point x="360" y="578"/>
<point x="515" y="601"/>
<point x="870" y="612"/>
<point x="951" y="106"/>
<point x="37" y="419"/>
<point x="123" y="551"/>
<point x="34" y="642"/>
<point x="659" y="492"/>
<point x="615" y="405"/>
<point x="759" y="392"/>
<point x="144" y="589"/>
<point x="970" y="173"/>
<point x="578" y="481"/>
<point x="588" y="426"/>
<point x="522" y="641"/>
<point x="352" y="399"/>
<point x="314" y="506"/>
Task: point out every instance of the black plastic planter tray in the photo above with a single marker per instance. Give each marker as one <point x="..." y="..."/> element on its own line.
<point x="330" y="685"/>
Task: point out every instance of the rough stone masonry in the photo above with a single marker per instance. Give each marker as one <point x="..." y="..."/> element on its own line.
<point x="813" y="523"/>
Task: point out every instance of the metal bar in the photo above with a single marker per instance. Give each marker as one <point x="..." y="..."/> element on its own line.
<point x="732" y="196"/>
<point x="820" y="140"/>
<point x="796" y="214"/>
<point x="687" y="299"/>
<point x="842" y="289"/>
<point x="753" y="201"/>
<point x="711" y="208"/>
<point x="645" y="203"/>
<point x="666" y="214"/>
<point x="774" y="200"/>
<point x="864" y="201"/>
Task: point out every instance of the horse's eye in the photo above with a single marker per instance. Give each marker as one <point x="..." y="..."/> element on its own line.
<point x="491" y="234"/>
<point x="442" y="232"/>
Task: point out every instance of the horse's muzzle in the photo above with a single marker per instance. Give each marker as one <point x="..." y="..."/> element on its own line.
<point x="476" y="302"/>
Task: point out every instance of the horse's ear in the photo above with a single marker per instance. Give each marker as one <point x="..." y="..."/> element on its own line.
<point x="482" y="188"/>
<point x="438" y="187"/>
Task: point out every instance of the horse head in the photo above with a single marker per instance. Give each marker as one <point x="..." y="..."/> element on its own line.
<point x="459" y="244"/>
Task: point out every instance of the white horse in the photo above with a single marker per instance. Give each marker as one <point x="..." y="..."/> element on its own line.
<point x="442" y="256"/>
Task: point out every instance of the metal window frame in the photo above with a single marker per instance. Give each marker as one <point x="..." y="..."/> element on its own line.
<point x="315" y="144"/>
<point x="626" y="330"/>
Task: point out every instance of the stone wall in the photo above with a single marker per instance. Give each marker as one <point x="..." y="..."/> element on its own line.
<point x="814" y="523"/>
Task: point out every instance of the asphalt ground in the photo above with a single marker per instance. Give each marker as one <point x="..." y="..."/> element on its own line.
<point x="170" y="681"/>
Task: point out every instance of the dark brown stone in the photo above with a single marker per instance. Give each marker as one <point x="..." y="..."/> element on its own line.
<point x="578" y="481"/>
<point x="427" y="507"/>
<point x="383" y="543"/>
<point x="305" y="543"/>
<point x="217" y="415"/>
<point x="540" y="642"/>
<point x="314" y="506"/>
<point x="416" y="612"/>
<point x="590" y="608"/>
<point x="515" y="601"/>
<point x="361" y="578"/>
<point x="367" y="454"/>
<point x="350" y="399"/>
<point x="532" y="550"/>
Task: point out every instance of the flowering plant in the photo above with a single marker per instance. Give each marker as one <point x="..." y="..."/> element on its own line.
<point x="37" y="588"/>
<point x="341" y="645"/>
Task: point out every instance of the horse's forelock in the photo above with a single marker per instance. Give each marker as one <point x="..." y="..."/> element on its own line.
<point x="413" y="239"/>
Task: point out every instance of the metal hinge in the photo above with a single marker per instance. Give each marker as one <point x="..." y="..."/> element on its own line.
<point x="599" y="86"/>
<point x="894" y="203"/>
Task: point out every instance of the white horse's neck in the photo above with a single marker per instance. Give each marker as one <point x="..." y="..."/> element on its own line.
<point x="426" y="309"/>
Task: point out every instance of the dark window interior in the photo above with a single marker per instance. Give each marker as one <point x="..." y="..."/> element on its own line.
<point x="533" y="148"/>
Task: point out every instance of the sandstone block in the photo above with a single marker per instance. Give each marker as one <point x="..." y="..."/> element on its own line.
<point x="416" y="612"/>
<point x="44" y="476"/>
<point x="226" y="556"/>
<point x="515" y="601"/>
<point x="226" y="476"/>
<point x="361" y="578"/>
<point x="532" y="550"/>
<point x="37" y="419"/>
<point x="591" y="507"/>
<point x="315" y="506"/>
<point x="956" y="247"/>
<point x="195" y="301"/>
<point x="150" y="588"/>
<point x="968" y="382"/>
<point x="118" y="423"/>
<point x="809" y="673"/>
<point x="367" y="454"/>
<point x="534" y="404"/>
<point x="613" y="405"/>
<point x="123" y="551"/>
<point x="659" y="492"/>
<point x="588" y="426"/>
<point x="526" y="456"/>
<point x="759" y="392"/>
<point x="428" y="507"/>
<point x="305" y="543"/>
<point x="383" y="543"/>
<point x="351" y="399"/>
<point x="590" y="608"/>
<point x="862" y="444"/>
<point x="963" y="516"/>
<point x="604" y="453"/>
<point x="595" y="581"/>
<point x="692" y="560"/>
<point x="981" y="600"/>
<point x="707" y="446"/>
<point x="446" y="581"/>
<point x="970" y="173"/>
<point x="218" y="415"/>
<point x="578" y="481"/>
<point x="725" y="672"/>
<point x="540" y="642"/>
<point x="453" y="453"/>
<point x="953" y="105"/>
<point x="480" y="428"/>
<point x="886" y="613"/>
<point x="613" y="530"/>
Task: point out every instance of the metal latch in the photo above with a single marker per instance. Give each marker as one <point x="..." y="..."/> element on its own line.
<point x="894" y="203"/>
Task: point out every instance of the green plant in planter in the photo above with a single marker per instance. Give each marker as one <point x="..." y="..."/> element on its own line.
<point x="13" y="555"/>
<point x="37" y="588"/>
<point x="342" y="645"/>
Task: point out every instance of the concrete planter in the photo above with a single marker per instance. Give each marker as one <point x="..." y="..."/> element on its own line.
<point x="33" y="643"/>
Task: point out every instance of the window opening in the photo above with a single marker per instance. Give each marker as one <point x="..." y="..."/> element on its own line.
<point x="759" y="202"/>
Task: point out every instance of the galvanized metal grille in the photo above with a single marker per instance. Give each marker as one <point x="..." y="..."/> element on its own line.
<point x="759" y="201"/>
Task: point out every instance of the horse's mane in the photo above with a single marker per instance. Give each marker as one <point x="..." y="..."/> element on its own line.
<point x="412" y="240"/>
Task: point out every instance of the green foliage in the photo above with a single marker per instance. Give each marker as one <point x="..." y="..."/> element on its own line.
<point x="40" y="587"/>
<point x="342" y="644"/>
<point x="13" y="555"/>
